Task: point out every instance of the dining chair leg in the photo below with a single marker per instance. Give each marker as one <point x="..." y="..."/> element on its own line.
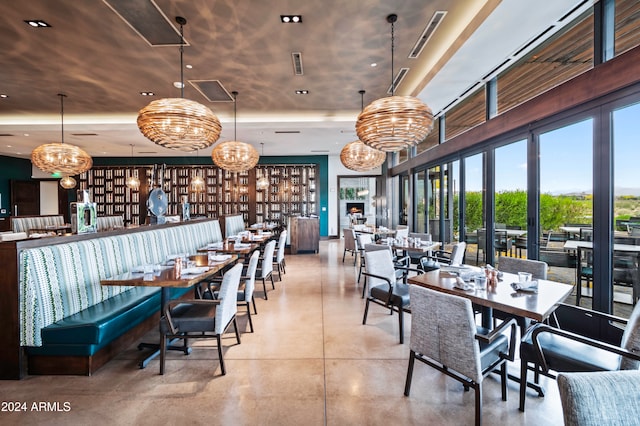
<point x="264" y="287"/>
<point x="273" y="286"/>
<point x="253" y="300"/>
<point x="235" y="328"/>
<point x="163" y="350"/>
<point x="523" y="383"/>
<point x="220" y="355"/>
<point x="407" y="383"/>
<point x="249" y="316"/>
<point x="401" y="324"/>
<point x="478" y="390"/>
<point x="366" y="310"/>
<point x="503" y="380"/>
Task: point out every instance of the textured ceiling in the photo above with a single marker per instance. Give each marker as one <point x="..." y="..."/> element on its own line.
<point x="102" y="65"/>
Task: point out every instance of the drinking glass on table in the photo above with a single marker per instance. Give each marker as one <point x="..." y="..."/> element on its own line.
<point x="524" y="277"/>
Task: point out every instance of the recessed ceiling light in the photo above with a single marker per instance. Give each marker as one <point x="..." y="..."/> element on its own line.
<point x="291" y="19"/>
<point x="147" y="93"/>
<point x="37" y="23"/>
<point x="3" y="95"/>
<point x="25" y="134"/>
<point x="373" y="64"/>
<point x="9" y="146"/>
<point x="302" y="92"/>
<point x="189" y="66"/>
<point x="178" y="85"/>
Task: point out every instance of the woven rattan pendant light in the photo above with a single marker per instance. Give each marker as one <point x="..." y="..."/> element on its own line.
<point x="394" y="123"/>
<point x="62" y="158"/>
<point x="359" y="157"/>
<point x="179" y="123"/>
<point x="235" y="156"/>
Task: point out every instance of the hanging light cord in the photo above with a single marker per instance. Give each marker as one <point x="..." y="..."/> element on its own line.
<point x="180" y="20"/>
<point x="235" y="114"/>
<point x="362" y="92"/>
<point x="62" y="96"/>
<point x="392" y="19"/>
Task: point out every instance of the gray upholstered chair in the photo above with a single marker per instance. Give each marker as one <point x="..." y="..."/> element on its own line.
<point x="245" y="290"/>
<point x="453" y="257"/>
<point x="444" y="336"/>
<point x="202" y="318"/>
<point x="266" y="267"/>
<point x="384" y="290"/>
<point x="604" y="398"/>
<point x="513" y="265"/>
<point x="349" y="244"/>
<point x="278" y="260"/>
<point x="361" y="241"/>
<point x="552" y="349"/>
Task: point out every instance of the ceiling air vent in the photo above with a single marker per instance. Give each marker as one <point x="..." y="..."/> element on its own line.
<point x="213" y="90"/>
<point x="280" y="132"/>
<point x="84" y="134"/>
<point x="297" y="63"/>
<point x="396" y="81"/>
<point x="436" y="19"/>
<point x="147" y="20"/>
<point x="5" y="134"/>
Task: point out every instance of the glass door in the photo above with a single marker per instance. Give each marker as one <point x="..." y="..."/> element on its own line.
<point x="566" y="207"/>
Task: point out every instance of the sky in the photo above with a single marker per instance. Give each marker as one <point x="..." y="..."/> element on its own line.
<point x="566" y="158"/>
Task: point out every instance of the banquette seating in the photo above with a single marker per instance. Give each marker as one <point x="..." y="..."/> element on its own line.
<point x="233" y="225"/>
<point x="69" y="322"/>
<point x="31" y="223"/>
<point x="107" y="223"/>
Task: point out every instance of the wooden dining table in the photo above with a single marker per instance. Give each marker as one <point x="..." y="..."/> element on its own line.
<point x="501" y="296"/>
<point x="166" y="277"/>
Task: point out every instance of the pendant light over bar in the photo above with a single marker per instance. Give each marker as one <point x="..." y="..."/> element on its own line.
<point x="60" y="158"/>
<point x="359" y="157"/>
<point x="179" y="123"/>
<point x="132" y="181"/>
<point x="394" y="123"/>
<point x="235" y="156"/>
<point x="263" y="181"/>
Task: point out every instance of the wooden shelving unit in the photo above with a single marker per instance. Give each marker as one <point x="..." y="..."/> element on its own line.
<point x="291" y="191"/>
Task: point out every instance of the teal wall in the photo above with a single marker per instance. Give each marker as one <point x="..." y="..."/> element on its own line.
<point x="322" y="184"/>
<point x="11" y="169"/>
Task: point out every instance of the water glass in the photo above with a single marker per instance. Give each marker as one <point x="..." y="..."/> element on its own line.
<point x="524" y="277"/>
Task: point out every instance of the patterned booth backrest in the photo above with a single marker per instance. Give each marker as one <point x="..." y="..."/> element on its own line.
<point x="60" y="280"/>
<point x="106" y="223"/>
<point x="233" y="225"/>
<point x="27" y="223"/>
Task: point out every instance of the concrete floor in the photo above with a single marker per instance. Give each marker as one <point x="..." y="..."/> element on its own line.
<point x="310" y="362"/>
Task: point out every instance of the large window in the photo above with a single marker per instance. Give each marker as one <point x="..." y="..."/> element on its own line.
<point x="510" y="215"/>
<point x="474" y="222"/>
<point x="566" y="206"/>
<point x="626" y="209"/>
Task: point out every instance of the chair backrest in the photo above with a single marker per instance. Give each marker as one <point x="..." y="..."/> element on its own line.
<point x="402" y="232"/>
<point x="363" y="240"/>
<point x="379" y="262"/>
<point x="443" y="328"/>
<point x="457" y="253"/>
<point x="631" y="340"/>
<point x="377" y="247"/>
<point x="422" y="236"/>
<point x="514" y="265"/>
<point x="227" y="296"/>
<point x="634" y="231"/>
<point x="349" y="239"/>
<point x="282" y="242"/>
<point x="250" y="283"/>
<point x="267" y="259"/>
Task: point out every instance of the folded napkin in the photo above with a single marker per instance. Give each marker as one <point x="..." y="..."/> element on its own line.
<point x="217" y="245"/>
<point x="195" y="270"/>
<point x="220" y="257"/>
<point x="463" y="285"/>
<point x="530" y="286"/>
<point x="145" y="269"/>
<point x="178" y="255"/>
<point x="241" y="246"/>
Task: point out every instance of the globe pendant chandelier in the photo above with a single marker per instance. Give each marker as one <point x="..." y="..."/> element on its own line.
<point x="132" y="181"/>
<point x="394" y="123"/>
<point x="359" y="157"/>
<point x="178" y="123"/>
<point x="235" y="156"/>
<point x="60" y="158"/>
<point x="263" y="182"/>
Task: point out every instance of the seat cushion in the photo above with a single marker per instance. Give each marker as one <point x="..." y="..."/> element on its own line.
<point x="400" y="296"/>
<point x="563" y="354"/>
<point x="490" y="352"/>
<point x="189" y="318"/>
